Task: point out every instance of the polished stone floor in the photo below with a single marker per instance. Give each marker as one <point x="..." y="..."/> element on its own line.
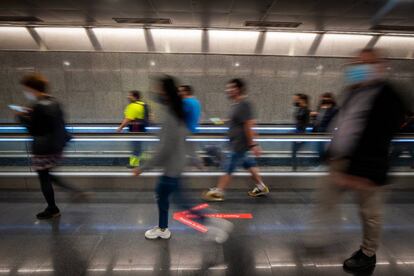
<point x="106" y="237"/>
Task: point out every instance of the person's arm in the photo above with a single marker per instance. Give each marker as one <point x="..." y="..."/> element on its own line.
<point x="26" y="118"/>
<point x="168" y="139"/>
<point x="249" y="122"/>
<point x="128" y="117"/>
<point x="251" y="134"/>
<point x="124" y="123"/>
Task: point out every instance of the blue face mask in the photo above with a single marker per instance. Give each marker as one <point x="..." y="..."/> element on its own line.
<point x="359" y="73"/>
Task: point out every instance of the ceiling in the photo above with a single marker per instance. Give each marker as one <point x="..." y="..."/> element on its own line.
<point x="315" y="15"/>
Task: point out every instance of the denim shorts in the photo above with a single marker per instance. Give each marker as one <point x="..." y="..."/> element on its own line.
<point x="235" y="159"/>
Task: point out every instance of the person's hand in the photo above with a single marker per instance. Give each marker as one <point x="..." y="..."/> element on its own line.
<point x="314" y="113"/>
<point x="137" y="171"/>
<point x="119" y="130"/>
<point x="256" y="150"/>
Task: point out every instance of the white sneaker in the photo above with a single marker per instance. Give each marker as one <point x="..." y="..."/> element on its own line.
<point x="156" y="233"/>
<point x="219" y="229"/>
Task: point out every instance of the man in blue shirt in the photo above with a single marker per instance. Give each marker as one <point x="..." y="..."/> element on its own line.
<point x="192" y="107"/>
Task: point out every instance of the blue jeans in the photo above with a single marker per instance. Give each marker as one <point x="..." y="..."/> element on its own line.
<point x="235" y="159"/>
<point x="136" y="148"/>
<point x="165" y="187"/>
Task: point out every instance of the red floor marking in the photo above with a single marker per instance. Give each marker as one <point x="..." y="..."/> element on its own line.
<point x="223" y="216"/>
<point x="196" y="208"/>
<point x="197" y="226"/>
<point x="231" y="216"/>
<point x="185" y="217"/>
<point x="199" y="207"/>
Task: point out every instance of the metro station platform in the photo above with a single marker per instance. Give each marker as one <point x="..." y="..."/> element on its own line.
<point x="106" y="237"/>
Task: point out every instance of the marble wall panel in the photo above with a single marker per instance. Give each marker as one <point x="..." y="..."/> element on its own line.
<point x="107" y="80"/>
<point x="81" y="107"/>
<point x="109" y="106"/>
<point x="80" y="81"/>
<point x="6" y="115"/>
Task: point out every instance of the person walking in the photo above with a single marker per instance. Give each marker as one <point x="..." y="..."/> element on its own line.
<point x="137" y="119"/>
<point x="171" y="157"/>
<point x="358" y="156"/>
<point x="302" y="117"/>
<point x="45" y="122"/>
<point x="241" y="136"/>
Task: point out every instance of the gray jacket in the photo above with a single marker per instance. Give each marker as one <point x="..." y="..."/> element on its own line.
<point x="367" y="121"/>
<point x="172" y="148"/>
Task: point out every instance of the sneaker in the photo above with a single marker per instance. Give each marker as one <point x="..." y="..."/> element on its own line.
<point x="257" y="192"/>
<point x="213" y="195"/>
<point x="49" y="213"/>
<point x="157" y="232"/>
<point x="218" y="229"/>
<point x="359" y="262"/>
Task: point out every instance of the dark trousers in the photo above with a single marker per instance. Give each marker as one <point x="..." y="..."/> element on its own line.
<point x="321" y="146"/>
<point x="136" y="148"/>
<point x="295" y="148"/>
<point x="165" y="187"/>
<point x="46" y="179"/>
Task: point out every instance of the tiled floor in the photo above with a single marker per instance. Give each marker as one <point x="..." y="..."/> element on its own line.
<point x="106" y="237"/>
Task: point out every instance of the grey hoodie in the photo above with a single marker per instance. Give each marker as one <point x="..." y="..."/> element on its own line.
<point x="172" y="148"/>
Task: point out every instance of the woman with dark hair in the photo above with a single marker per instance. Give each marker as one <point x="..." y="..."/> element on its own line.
<point x="171" y="157"/>
<point x="301" y="116"/>
<point x="326" y="111"/>
<point x="324" y="115"/>
<point x="170" y="154"/>
<point x="44" y="121"/>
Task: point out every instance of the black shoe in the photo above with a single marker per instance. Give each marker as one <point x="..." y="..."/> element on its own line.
<point x="359" y="262"/>
<point x="49" y="213"/>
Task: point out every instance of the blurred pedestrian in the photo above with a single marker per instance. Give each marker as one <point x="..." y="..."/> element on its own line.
<point x="241" y="135"/>
<point x="358" y="155"/>
<point x="136" y="117"/>
<point x="324" y="115"/>
<point x="171" y="157"/>
<point x="45" y="122"/>
<point x="302" y="118"/>
<point x="192" y="110"/>
<point x="192" y="107"/>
